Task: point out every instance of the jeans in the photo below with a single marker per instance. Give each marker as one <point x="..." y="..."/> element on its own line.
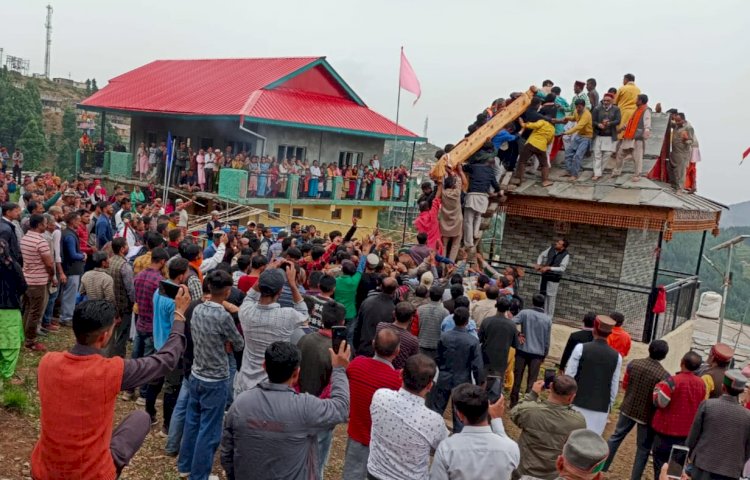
<point x="203" y="424"/>
<point x="143" y="346"/>
<point x="644" y="438"/>
<point x="47" y="317"/>
<point x="574" y="154"/>
<point x="350" y="323"/>
<point x="355" y="461"/>
<point x="324" y="450"/>
<point x="177" y="423"/>
<point x="230" y="381"/>
<point x="68" y="298"/>
<point x="534" y="363"/>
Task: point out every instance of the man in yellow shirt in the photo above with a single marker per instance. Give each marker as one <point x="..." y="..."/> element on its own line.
<point x="625" y="101"/>
<point x="582" y="132"/>
<point x="542" y="135"/>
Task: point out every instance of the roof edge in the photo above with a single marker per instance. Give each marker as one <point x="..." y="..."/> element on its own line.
<point x="321" y="61"/>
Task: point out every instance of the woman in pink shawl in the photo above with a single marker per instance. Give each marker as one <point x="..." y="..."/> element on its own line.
<point x="142" y="163"/>
<point x="427" y="222"/>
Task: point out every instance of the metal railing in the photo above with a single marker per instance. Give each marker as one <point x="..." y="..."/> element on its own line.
<point x="680" y="307"/>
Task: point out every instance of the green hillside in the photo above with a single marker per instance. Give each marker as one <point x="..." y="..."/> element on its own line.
<point x="681" y="254"/>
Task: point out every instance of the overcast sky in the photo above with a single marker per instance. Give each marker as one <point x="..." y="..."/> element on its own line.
<point x="692" y="55"/>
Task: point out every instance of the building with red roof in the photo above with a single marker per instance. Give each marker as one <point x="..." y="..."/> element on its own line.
<point x="266" y="106"/>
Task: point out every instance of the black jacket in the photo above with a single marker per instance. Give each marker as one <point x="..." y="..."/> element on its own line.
<point x="375" y="309"/>
<point x="581" y="336"/>
<point x="482" y="178"/>
<point x="497" y="335"/>
<point x="8" y="233"/>
<point x="12" y="285"/>
<point x="459" y="355"/>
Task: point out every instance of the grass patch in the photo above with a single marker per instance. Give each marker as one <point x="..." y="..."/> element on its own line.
<point x="15" y="398"/>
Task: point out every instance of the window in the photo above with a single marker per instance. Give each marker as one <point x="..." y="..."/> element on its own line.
<point x="297" y="212"/>
<point x="289" y="151"/>
<point x="336" y="214"/>
<point x="357" y="213"/>
<point x="275" y="214"/>
<point x="350" y="158"/>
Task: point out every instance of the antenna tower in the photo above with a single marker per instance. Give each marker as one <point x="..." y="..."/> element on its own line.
<point x="48" y="26"/>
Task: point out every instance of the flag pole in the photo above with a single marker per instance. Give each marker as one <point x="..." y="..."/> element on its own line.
<point x="168" y="174"/>
<point x="395" y="140"/>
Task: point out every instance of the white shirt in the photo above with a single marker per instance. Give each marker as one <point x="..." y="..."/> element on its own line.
<point x="572" y="369"/>
<point x="475" y="453"/>
<point x="403" y="432"/>
<point x="315" y="171"/>
<point x="183" y="222"/>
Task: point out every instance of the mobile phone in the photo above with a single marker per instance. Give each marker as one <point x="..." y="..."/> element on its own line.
<point x="549" y="377"/>
<point x="677" y="460"/>
<point x="494" y="388"/>
<point x="338" y="335"/>
<point x="169" y="289"/>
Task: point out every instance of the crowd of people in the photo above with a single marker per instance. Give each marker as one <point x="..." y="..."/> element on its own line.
<point x="259" y="345"/>
<point x="614" y="127"/>
<point x="198" y="170"/>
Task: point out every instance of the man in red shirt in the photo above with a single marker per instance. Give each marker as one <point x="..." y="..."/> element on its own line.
<point x="257" y="265"/>
<point x="366" y="375"/>
<point x="619" y="339"/>
<point x="677" y="400"/>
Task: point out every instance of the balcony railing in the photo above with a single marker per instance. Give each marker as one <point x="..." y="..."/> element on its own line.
<point x="240" y="186"/>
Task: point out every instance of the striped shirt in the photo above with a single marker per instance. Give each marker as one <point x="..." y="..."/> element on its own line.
<point x="431" y="317"/>
<point x="33" y="246"/>
<point x="146" y="283"/>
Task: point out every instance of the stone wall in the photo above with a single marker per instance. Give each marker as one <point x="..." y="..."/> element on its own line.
<point x="602" y="255"/>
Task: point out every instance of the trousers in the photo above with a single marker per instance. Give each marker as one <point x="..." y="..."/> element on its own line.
<point x="549" y="290"/>
<point x="47" y="316"/>
<point x="118" y="344"/>
<point x="128" y="437"/>
<point x="472" y="222"/>
<point x="661" y="448"/>
<point x="177" y="422"/>
<point x="68" y="294"/>
<point x="355" y="460"/>
<point x="574" y="154"/>
<point x="202" y="433"/>
<point x="534" y="363"/>
<point x="644" y="439"/>
<point x="677" y="169"/>
<point x="34" y="303"/>
<point x="626" y="153"/>
<point x="602" y="148"/>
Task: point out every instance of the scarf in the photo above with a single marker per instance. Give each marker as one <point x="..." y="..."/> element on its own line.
<point x="633" y="123"/>
<point x="196" y="264"/>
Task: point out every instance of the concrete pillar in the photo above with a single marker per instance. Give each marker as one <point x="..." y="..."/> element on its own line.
<point x="376" y="189"/>
<point x="337" y="183"/>
<point x="292" y="186"/>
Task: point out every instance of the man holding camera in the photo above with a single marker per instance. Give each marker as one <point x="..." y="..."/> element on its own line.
<point x="546" y="425"/>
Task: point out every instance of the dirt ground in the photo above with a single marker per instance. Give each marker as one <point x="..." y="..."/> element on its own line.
<point x="19" y="431"/>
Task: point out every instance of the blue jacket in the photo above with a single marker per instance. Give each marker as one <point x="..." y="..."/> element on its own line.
<point x="459" y="355"/>
<point x="104" y="232"/>
<point x="502" y="137"/>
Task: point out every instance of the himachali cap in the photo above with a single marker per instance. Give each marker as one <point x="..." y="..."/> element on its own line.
<point x="604" y="324"/>
<point x="585" y="450"/>
<point x="722" y="352"/>
<point x="609" y="95"/>
<point x="578" y="82"/>
<point x="271" y="281"/>
<point x="735" y="379"/>
<point x="373" y="260"/>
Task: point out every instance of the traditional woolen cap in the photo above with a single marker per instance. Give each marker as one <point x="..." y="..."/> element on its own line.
<point x="373" y="260"/>
<point x="604" y="324"/>
<point x="585" y="450"/>
<point x="427" y="279"/>
<point x="722" y="352"/>
<point x="609" y="95"/>
<point x="735" y="379"/>
<point x="215" y="212"/>
<point x="582" y="84"/>
<point x="271" y="281"/>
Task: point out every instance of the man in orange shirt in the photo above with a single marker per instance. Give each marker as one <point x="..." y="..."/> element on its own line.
<point x="619" y="339"/>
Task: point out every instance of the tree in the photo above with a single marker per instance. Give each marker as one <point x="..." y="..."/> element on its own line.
<point x="66" y="144"/>
<point x="33" y="144"/>
<point x="111" y="138"/>
<point x="94" y="87"/>
<point x="88" y="86"/>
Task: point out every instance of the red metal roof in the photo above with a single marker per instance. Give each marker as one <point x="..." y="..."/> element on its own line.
<point x="301" y="92"/>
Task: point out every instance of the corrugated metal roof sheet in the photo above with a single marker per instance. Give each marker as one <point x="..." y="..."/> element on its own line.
<point x="294" y="106"/>
<point x="234" y="87"/>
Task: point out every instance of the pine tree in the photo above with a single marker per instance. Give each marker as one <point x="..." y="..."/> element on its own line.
<point x="94" y="87"/>
<point x="33" y="144"/>
<point x="88" y="86"/>
<point x="66" y="146"/>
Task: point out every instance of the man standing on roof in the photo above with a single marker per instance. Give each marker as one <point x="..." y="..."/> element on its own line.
<point x="552" y="263"/>
<point x="634" y="136"/>
<point x="679" y="156"/>
<point x="581" y="133"/>
<point x="626" y="99"/>
<point x="606" y="118"/>
<point x="712" y="372"/>
<point x="542" y="135"/>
